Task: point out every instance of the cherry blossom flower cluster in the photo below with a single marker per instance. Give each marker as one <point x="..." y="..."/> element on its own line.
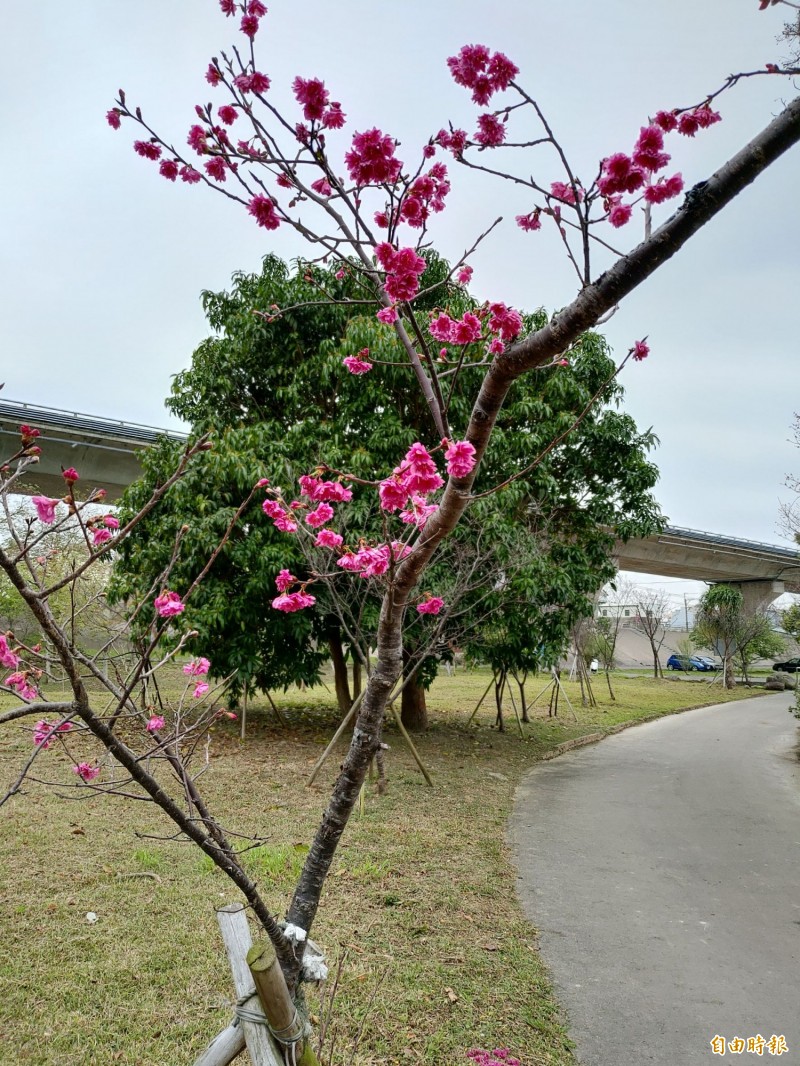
<point x="314" y="98"/>
<point x="169" y="604"/>
<point x="44" y="733"/>
<point x="8" y="657"/>
<point x="373" y="562"/>
<point x="476" y="68"/>
<point x="291" y="601"/>
<point x="85" y="771"/>
<point x="358" y="364"/>
<point x="403" y="270"/>
<point x="501" y="1056"/>
<point x="197" y="668"/>
<point x="424" y="195"/>
<point x="371" y="159"/>
<point x="21" y="682"/>
<point x="406" y="490"/>
<point x="431" y="605"/>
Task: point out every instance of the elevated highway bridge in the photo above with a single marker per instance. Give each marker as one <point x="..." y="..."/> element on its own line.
<point x="106" y="453"/>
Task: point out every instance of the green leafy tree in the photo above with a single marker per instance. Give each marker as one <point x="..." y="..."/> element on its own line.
<point x="790" y="620"/>
<point x="274" y="398"/>
<point x="718" y="625"/>
<point x="756" y="639"/>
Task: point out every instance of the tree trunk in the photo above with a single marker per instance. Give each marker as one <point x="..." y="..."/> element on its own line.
<point x="356" y="675"/>
<point x="413" y="708"/>
<point x="340" y="676"/>
<point x="608" y="682"/>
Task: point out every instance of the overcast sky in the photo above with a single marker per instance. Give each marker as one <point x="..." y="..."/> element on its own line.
<point x="103" y="261"/>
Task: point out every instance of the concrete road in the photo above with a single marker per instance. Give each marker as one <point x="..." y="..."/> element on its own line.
<point x="662" y="869"/>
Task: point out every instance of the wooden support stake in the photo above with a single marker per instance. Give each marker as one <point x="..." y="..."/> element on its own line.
<point x="276" y="1000"/>
<point x="261" y="1048"/>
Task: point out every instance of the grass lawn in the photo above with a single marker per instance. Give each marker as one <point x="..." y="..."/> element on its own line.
<point x="437" y="957"/>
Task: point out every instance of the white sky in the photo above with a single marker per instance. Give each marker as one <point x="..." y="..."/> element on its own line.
<point x="103" y="261"/>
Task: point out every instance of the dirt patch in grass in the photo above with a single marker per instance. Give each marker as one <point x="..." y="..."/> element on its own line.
<point x="421" y="902"/>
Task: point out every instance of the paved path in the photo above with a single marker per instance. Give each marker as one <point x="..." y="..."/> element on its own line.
<point x="662" y="869"/>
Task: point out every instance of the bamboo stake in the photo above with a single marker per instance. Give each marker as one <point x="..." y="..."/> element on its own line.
<point x="336" y="735"/>
<point x="224" y="1048"/>
<point x="244" y="713"/>
<point x="410" y="743"/>
<point x="516" y="712"/>
<point x="277" y="1001"/>
<point x="480" y="701"/>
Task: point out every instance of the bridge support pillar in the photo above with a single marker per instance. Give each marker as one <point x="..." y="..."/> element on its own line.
<point x="758" y="595"/>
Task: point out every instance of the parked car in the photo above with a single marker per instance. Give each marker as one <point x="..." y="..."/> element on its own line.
<point x="681" y="662"/>
<point x="691" y="662"/>
<point x="791" y="666"/>
<point x="707" y="663"/>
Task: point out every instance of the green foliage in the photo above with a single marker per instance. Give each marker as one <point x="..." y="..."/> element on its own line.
<point x="277" y="403"/>
<point x="790" y="620"/>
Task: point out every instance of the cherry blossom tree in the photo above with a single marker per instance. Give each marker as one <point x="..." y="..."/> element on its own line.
<point x="368" y="205"/>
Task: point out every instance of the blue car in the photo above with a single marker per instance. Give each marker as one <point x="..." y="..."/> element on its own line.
<point x="690" y="662"/>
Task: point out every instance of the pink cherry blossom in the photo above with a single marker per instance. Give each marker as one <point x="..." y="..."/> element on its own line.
<point x="495" y="346"/>
<point x="619" y="214"/>
<point x="190" y="175"/>
<point x="100" y="536"/>
<point x="387" y="315"/>
<point x="476" y="68"/>
<point x="315" y="489"/>
<point x="318" y="517"/>
<point x="262" y="208"/>
<point x="217" y="168"/>
<point x="293" y="601"/>
<point x="334" y="118"/>
<point x="8" y="658"/>
<point x="322" y="186"/>
<point x="146" y="149"/>
<point x="460" y="457"/>
<point x="213" y="76"/>
<point x="255" y="7"/>
<point x="491" y="131"/>
<point x="466" y="330"/>
<point x="563" y="191"/>
<point x="85" y="771"/>
<point x="197" y="667"/>
<point x="505" y="321"/>
<point x="667" y="120"/>
<point x="70" y="475"/>
<point x="418" y="511"/>
<point x="43" y="732"/>
<point x="45" y="508"/>
<point x="259" y="83"/>
<point x="371" y="160"/>
<point x="313" y="96"/>
<point x="529" y="222"/>
<point x="155" y="723"/>
<point x="432" y="605"/>
<point x="228" y="7"/>
<point x="464" y="276"/>
<point x="326" y="538"/>
<point x="228" y="114"/>
<point x="356" y="364"/>
<point x="111" y="521"/>
<point x="640" y="351"/>
<point x="200" y="689"/>
<point x="168" y="169"/>
<point x="169" y="604"/>
<point x="112" y="118"/>
<point x="441" y="327"/>
<point x="249" y="26"/>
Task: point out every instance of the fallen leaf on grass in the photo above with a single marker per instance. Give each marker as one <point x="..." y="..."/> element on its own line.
<point x="489" y="946"/>
<point x="451" y="995"/>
